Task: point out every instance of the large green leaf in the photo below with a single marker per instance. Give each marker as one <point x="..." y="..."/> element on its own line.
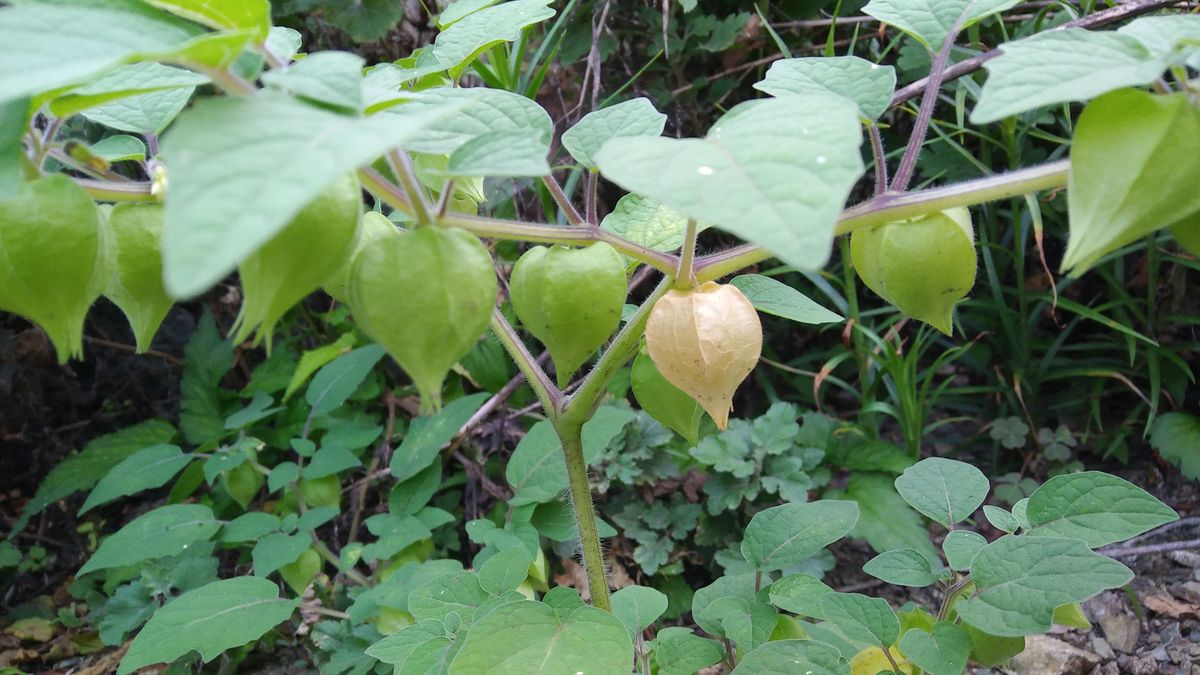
<point x="47" y="45"/>
<point x="775" y="172"/>
<point x="145" y="469"/>
<point x="1094" y="507"/>
<point x="1057" y="66"/>
<point x="902" y="567"/>
<point x="536" y="471"/>
<point x="1133" y="171"/>
<point x="638" y="606"/>
<point x="930" y="21"/>
<point x="961" y="547"/>
<point x="252" y="15"/>
<point x="165" y="531"/>
<point x="458" y="45"/>
<point x="419" y="648"/>
<point x="646" y="222"/>
<point x="635" y="117"/>
<point x="330" y="77"/>
<point x="468" y="113"/>
<point x="774" y="297"/>
<point x="123" y="82"/>
<point x="1020" y="580"/>
<point x="679" y="651"/>
<point x="1172" y="37"/>
<point x="210" y="619"/>
<point x="869" y="85"/>
<point x="799" y="594"/>
<point x="862" y="618"/>
<point x="502" y="154"/>
<point x="83" y="470"/>
<point x="885" y="520"/>
<point x="530" y="637"/>
<point x="787" y="657"/>
<point x="241" y="167"/>
<point x="337" y="380"/>
<point x="427" y="435"/>
<point x="144" y="113"/>
<point x="944" y="651"/>
<point x="1176" y="436"/>
<point x="784" y="535"/>
<point x="946" y="490"/>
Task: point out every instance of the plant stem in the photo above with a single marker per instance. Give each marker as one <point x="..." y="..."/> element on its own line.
<point x="548" y="394"/>
<point x="684" y="274"/>
<point x="908" y="163"/>
<point x="333" y="559"/>
<point x="324" y="611"/>
<point x="112" y="191"/>
<point x="560" y="198"/>
<point x="881" y="177"/>
<point x="497" y="228"/>
<point x="401" y="165"/>
<point x="891" y="207"/>
<point x="570" y="434"/>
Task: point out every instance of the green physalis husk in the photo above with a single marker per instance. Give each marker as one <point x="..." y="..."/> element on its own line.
<point x="136" y="282"/>
<point x="922" y="266"/>
<point x="1187" y="233"/>
<point x="570" y="300"/>
<point x="374" y="225"/>
<point x="305" y="254"/>
<point x="425" y="296"/>
<point x="53" y="258"/>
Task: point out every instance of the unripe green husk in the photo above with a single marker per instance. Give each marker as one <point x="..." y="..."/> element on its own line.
<point x="425" y="296"/>
<point x="570" y="300"/>
<point x="136" y="282"/>
<point x="374" y="225"/>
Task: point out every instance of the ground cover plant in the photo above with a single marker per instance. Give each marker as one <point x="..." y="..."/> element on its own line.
<point x="334" y="510"/>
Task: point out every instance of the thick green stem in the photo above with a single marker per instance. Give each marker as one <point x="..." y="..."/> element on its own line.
<point x="548" y="394"/>
<point x="685" y="274"/>
<point x="571" y="436"/>
<point x="891" y="207"/>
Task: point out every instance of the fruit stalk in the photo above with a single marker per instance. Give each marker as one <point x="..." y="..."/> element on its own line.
<point x="685" y="275"/>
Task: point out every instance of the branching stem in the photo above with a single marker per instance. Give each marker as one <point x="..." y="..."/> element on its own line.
<point x="684" y="275"/>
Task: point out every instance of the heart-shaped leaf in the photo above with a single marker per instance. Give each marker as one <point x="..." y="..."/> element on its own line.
<point x="944" y="652"/>
<point x="775" y="172"/>
<point x="870" y="85"/>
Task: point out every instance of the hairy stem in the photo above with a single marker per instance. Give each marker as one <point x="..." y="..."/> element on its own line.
<point x="891" y="207"/>
<point x="908" y="163"/>
<point x="548" y="394"/>
<point x="571" y="436"/>
<point x="402" y="166"/>
<point x="685" y="274"/>
<point x="560" y="198"/>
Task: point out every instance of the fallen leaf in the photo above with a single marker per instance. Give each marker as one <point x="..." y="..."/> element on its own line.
<point x="1165" y="604"/>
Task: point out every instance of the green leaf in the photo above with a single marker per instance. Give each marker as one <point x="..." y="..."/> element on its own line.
<point x="253" y="15"/>
<point x="536" y="471"/>
<point x="427" y="435"/>
<point x="47" y="45"/>
<point x="902" y="567"/>
<point x="945" y="652"/>
<point x="146" y="469"/>
<point x="679" y="651"/>
<point x="1020" y="580"/>
<point x="419" y="648"/>
<point x="459" y="9"/>
<point x="638" y="606"/>
<point x="710" y="603"/>
<point x="734" y="179"/>
<point x="313" y="359"/>
<point x="663" y="401"/>
<point x="55" y="258"/>
<point x="249" y="526"/>
<point x="1094" y="507"/>
<point x="635" y="117"/>
<point x="337" y="380"/>
<point x="292" y="152"/>
<point x="206" y="359"/>
<point x="1175" y="38"/>
<point x="946" y="490"/>
<point x="885" y="520"/>
<point x="862" y="618"/>
<point x="84" y="469"/>
<point x="459" y="593"/>
<point x="990" y="651"/>
<point x="646" y="222"/>
<point x="505" y="570"/>
<point x="12" y="150"/>
<point x="877" y="456"/>
<point x="785" y="535"/>
<point x="799" y="594"/>
<point x="529" y="637"/>
<point x="787" y="657"/>
<point x="930" y="21"/>
<point x="502" y="154"/>
<point x="961" y="547"/>
<point x="1061" y="65"/>
<point x="330" y="77"/>
<point x="129" y="607"/>
<point x="259" y="408"/>
<point x="164" y="531"/>
<point x="457" y="46"/>
<point x="460" y="115"/>
<point x="329" y="461"/>
<point x="1131" y="172"/>
<point x="123" y="82"/>
<point x="869" y="85"/>
<point x="1176" y="436"/>
<point x="276" y="550"/>
<point x="396" y="532"/>
<point x="210" y="619"/>
<point x="1000" y="519"/>
<point x="773" y="297"/>
<point x="145" y="113"/>
<point x="120" y="148"/>
<point x="410" y="496"/>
